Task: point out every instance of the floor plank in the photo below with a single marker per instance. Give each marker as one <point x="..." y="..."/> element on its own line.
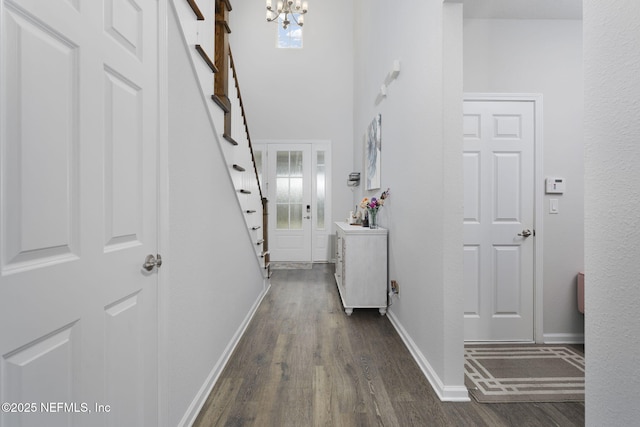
<point x="303" y="362"/>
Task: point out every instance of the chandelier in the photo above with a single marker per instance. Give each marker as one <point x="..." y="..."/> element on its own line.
<point x="286" y="8"/>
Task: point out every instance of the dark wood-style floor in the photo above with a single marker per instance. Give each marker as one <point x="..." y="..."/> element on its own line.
<point x="302" y="362"/>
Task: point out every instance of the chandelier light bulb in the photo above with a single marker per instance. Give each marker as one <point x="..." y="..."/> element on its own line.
<point x="288" y="11"/>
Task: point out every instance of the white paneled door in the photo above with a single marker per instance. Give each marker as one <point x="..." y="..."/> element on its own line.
<point x="498" y="220"/>
<point x="290" y="202"/>
<point x="79" y="119"/>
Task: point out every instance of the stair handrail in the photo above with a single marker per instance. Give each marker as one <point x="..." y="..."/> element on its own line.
<point x="244" y="120"/>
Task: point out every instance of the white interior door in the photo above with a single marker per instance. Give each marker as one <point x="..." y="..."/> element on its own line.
<point x="78" y="116"/>
<point x="498" y="217"/>
<point x="290" y="204"/>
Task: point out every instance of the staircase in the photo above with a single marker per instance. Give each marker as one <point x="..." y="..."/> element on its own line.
<point x="209" y="38"/>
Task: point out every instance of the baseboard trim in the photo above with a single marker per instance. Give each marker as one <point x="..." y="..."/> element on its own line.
<point x="201" y="397"/>
<point x="445" y="393"/>
<point x="563" y="338"/>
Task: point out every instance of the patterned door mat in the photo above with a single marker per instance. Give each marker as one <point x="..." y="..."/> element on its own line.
<point x="524" y="373"/>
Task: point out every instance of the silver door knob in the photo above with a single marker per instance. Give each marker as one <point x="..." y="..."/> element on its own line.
<point x="525" y="233"/>
<point x="150" y="261"/>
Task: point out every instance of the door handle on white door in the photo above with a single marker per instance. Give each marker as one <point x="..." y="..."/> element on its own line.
<point x="525" y="233"/>
<point x="150" y="261"/>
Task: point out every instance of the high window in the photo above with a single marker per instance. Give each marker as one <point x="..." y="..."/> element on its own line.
<point x="290" y="37"/>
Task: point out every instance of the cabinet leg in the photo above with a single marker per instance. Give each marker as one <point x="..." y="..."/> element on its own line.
<point x="348" y="311"/>
<point x="382" y="311"/>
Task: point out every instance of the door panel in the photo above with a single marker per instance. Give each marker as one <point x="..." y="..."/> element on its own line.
<point x="506" y="293"/>
<point x="124" y="354"/>
<point x="498" y="164"/>
<point x="78" y="123"/>
<point x="30" y="238"/>
<point x="506" y="197"/>
<point x="123" y="22"/>
<point x="472" y="280"/>
<point x="52" y="357"/>
<point x="123" y="149"/>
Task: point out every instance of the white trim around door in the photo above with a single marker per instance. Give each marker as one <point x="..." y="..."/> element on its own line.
<point x="164" y="396"/>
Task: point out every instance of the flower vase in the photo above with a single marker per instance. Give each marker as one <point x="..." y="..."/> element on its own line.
<point x="373" y="218"/>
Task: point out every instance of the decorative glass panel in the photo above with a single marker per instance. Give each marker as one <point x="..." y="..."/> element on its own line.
<point x="296" y="163"/>
<point x="282" y="216"/>
<point x="320" y="189"/>
<point x="289" y="190"/>
<point x="295" y="185"/>
<point x="282" y="190"/>
<point x="295" y="217"/>
<point x="282" y="163"/>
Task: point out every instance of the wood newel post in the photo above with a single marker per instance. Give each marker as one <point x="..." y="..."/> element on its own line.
<point x="265" y="234"/>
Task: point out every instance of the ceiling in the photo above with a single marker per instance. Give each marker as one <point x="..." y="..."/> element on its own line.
<point x="523" y="9"/>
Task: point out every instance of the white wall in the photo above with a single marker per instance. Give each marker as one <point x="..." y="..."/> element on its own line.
<point x="214" y="277"/>
<point x="612" y="203"/>
<point x="543" y="56"/>
<point x="416" y="164"/>
<point x="334" y="81"/>
<point x="300" y="94"/>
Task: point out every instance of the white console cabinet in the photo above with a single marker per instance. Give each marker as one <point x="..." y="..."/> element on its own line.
<point x="361" y="267"/>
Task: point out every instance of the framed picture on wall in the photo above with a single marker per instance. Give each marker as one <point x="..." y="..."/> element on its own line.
<point x="373" y="151"/>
